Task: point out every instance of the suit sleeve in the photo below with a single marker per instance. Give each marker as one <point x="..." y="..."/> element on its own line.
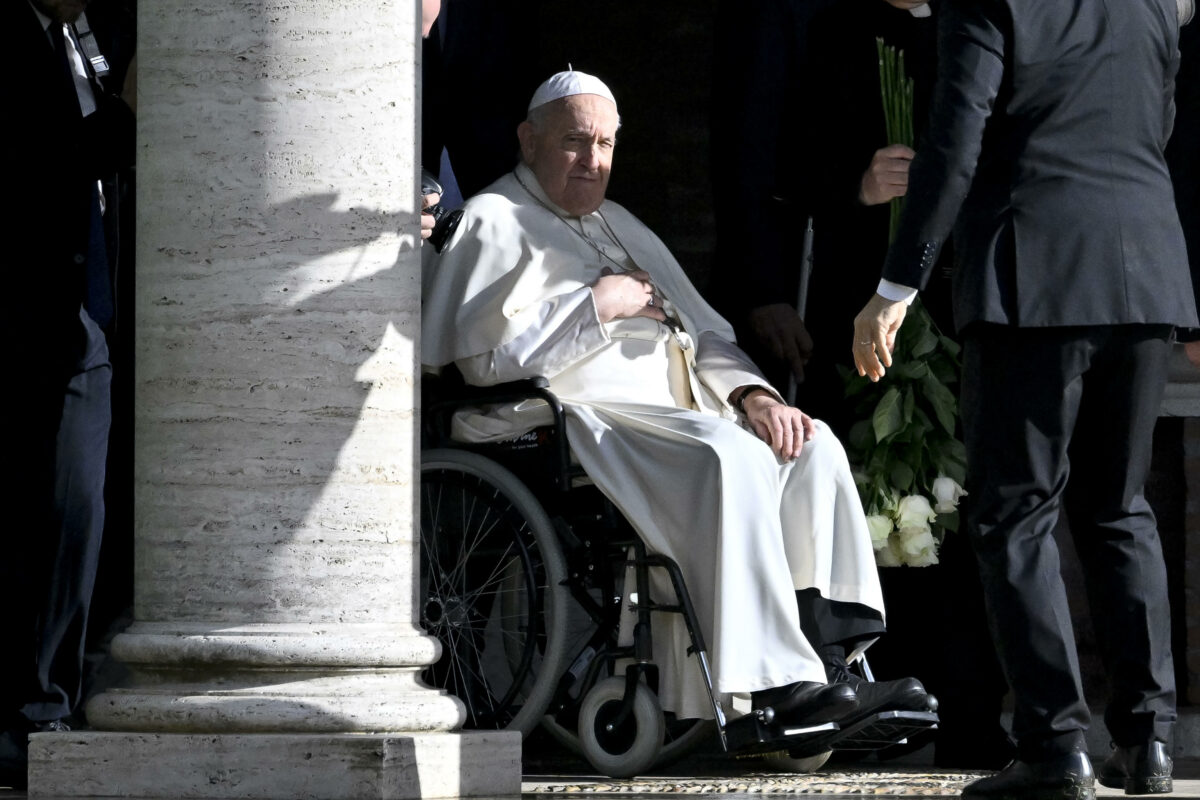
<point x="970" y="72"/>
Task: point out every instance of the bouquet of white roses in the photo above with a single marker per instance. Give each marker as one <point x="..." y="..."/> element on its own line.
<point x="908" y="463"/>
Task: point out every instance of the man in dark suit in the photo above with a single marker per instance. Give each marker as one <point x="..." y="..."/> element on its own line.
<point x="1046" y="144"/>
<point x="67" y="135"/>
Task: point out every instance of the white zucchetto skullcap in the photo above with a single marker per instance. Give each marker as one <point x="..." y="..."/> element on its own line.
<point x="565" y="84"/>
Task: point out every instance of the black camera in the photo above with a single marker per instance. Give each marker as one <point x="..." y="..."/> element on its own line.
<point x="444" y="221"/>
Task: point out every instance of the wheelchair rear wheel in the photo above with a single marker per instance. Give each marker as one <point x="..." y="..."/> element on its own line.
<point x="491" y="590"/>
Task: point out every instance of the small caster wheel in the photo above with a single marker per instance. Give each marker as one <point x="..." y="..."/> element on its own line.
<point x="624" y="750"/>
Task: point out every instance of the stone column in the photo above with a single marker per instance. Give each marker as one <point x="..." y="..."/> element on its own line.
<point x="274" y="652"/>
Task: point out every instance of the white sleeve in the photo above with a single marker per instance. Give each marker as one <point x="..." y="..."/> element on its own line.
<point x="722" y="367"/>
<point x="564" y="329"/>
<point x="896" y="292"/>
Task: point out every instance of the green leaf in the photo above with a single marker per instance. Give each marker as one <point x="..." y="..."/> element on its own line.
<point x="950" y="346"/>
<point x="909" y="371"/>
<point x="862" y="436"/>
<point x="925" y="344"/>
<point x="944" y="369"/>
<point x="949" y="521"/>
<point x="945" y="407"/>
<point x="888" y="416"/>
<point x="902" y="476"/>
<point x="857" y="384"/>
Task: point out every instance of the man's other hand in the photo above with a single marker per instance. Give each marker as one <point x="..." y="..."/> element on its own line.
<point x="427" y="221"/>
<point x="626" y="294"/>
<point x="886" y="176"/>
<point x="784" y="428"/>
<point x="875" y="330"/>
<point x="779" y="328"/>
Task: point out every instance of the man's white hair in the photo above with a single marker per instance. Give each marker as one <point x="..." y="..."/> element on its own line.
<point x="1187" y="10"/>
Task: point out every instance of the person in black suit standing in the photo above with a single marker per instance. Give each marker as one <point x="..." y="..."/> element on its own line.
<point x="1046" y="145"/>
<point x="67" y="135"/>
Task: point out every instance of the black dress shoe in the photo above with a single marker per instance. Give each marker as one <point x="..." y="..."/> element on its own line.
<point x="807" y="702"/>
<point x="1068" y="777"/>
<point x="903" y="694"/>
<point x="1143" y="769"/>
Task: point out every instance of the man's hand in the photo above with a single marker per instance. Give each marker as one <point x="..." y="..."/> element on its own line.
<point x="625" y="295"/>
<point x="886" y="176"/>
<point x="783" y="428"/>
<point x="875" y="330"/>
<point x="781" y="330"/>
<point x="1192" y="351"/>
<point x="427" y="220"/>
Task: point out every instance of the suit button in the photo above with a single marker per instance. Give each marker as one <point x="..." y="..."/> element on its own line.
<point x="80" y="258"/>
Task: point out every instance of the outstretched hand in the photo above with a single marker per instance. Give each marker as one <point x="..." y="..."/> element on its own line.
<point x="626" y="294"/>
<point x="875" y="330"/>
<point x="785" y="429"/>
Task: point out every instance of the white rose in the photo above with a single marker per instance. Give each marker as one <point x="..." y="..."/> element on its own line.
<point x="918" y="547"/>
<point x="880" y="526"/>
<point x="914" y="511"/>
<point x="926" y="558"/>
<point x="946" y="491"/>
<point x="890" y="554"/>
<point x="915" y="539"/>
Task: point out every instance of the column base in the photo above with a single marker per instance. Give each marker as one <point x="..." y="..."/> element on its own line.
<point x="347" y="766"/>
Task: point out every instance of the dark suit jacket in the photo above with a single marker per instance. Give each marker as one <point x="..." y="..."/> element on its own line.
<point x="54" y="158"/>
<point x="1046" y="143"/>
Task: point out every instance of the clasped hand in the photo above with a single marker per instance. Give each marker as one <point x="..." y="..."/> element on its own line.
<point x="785" y="429"/>
<point x="886" y="177"/>
<point x="626" y="294"/>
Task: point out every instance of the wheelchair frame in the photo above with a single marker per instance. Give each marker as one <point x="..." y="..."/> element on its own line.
<point x="513" y="602"/>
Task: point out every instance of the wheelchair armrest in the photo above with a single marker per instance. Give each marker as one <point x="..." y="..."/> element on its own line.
<point x="535" y="388"/>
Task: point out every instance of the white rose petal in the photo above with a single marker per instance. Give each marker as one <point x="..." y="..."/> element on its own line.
<point x="889" y="555"/>
<point x="926" y="558"/>
<point x="946" y="491"/>
<point x="880" y="527"/>
<point x="914" y="511"/>
<point x="915" y="539"/>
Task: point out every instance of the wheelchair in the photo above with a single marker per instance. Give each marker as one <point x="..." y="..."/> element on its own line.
<point x="523" y="573"/>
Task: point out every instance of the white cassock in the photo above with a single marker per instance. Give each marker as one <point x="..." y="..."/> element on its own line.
<point x="649" y="420"/>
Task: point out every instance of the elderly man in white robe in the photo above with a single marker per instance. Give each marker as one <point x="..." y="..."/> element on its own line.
<point x="673" y="423"/>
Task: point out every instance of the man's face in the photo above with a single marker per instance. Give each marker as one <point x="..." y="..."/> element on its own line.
<point x="61" y="10"/>
<point x="570" y="150"/>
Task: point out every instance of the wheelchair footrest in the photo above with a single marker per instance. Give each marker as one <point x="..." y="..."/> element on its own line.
<point x="884" y="729"/>
<point x="750" y="735"/>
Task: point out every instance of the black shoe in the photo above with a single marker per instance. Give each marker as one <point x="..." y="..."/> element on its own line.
<point x="904" y="694"/>
<point x="1068" y="777"/>
<point x="807" y="702"/>
<point x="1142" y="769"/>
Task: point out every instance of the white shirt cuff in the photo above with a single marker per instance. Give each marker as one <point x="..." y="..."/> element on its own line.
<point x="896" y="291"/>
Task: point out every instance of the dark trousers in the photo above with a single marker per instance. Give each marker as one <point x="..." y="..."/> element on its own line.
<point x="1064" y="418"/>
<point x="49" y="552"/>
